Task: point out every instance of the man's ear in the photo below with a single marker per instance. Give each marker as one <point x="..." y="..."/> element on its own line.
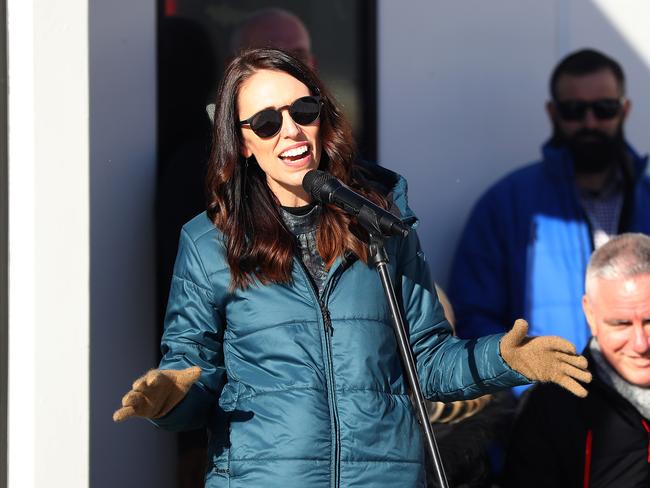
<point x="587" y="308"/>
<point x="551" y="111"/>
<point x="627" y="106"/>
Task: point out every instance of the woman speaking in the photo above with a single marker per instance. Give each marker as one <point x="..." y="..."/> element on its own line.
<point x="278" y="337"/>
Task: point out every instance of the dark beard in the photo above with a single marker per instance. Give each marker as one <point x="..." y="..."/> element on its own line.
<point x="593" y="151"/>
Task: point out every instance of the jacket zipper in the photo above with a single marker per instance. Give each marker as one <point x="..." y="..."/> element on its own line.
<point x="331" y="390"/>
<point x="327" y="322"/>
<point x="329" y="331"/>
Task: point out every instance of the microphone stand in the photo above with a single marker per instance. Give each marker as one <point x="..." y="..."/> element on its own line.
<point x="379" y="258"/>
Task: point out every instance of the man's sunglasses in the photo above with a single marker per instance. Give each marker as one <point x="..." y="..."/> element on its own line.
<point x="268" y="122"/>
<point x="603" y="109"/>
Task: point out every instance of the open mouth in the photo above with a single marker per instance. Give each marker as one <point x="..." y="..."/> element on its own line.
<point x="295" y="154"/>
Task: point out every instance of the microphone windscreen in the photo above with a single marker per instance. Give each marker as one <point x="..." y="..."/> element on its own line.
<point x="314" y="181"/>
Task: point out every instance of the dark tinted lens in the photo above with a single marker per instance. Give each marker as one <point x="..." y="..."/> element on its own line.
<point x="305" y="110"/>
<point x="572" y="110"/>
<point x="607" y="108"/>
<point x="266" y="123"/>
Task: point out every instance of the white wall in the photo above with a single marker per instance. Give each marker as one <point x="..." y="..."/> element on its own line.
<point x="462" y="87"/>
<point x="48" y="400"/>
<point x="123" y="166"/>
<point x="82" y="124"/>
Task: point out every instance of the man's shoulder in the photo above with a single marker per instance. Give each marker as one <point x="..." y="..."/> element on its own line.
<point x="521" y="188"/>
<point x="645" y="179"/>
<point x="520" y="178"/>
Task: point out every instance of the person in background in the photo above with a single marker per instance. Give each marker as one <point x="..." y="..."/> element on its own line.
<point x="274" y="28"/>
<point x="278" y="337"/>
<point x="603" y="439"/>
<point x="524" y="250"/>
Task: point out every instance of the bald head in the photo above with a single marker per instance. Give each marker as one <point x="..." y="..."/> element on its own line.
<point x="274" y="28"/>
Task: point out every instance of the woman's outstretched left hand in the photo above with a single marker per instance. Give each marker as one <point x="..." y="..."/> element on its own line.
<point x="545" y="359"/>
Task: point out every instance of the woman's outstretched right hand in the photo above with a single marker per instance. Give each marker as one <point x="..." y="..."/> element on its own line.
<point x="155" y="393"/>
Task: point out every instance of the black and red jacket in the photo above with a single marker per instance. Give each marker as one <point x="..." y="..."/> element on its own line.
<point x="560" y="440"/>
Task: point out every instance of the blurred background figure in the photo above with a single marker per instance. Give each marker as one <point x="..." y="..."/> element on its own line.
<point x="525" y="247"/>
<point x="274" y="27"/>
<point x="600" y="440"/>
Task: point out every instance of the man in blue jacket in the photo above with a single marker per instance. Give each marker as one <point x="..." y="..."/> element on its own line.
<point x="525" y="248"/>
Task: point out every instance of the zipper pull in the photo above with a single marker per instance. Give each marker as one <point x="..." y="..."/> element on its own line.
<point x="328" y="322"/>
<point x="327" y="319"/>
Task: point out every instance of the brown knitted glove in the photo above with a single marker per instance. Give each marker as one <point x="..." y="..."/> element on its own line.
<point x="545" y="358"/>
<point x="155" y="393"/>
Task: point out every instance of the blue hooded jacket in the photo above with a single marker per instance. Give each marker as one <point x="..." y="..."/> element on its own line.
<point x="298" y="390"/>
<point x="525" y="249"/>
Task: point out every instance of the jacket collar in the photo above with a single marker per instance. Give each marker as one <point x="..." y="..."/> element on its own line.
<point x="599" y="385"/>
<point x="394" y="187"/>
<point x="635" y="395"/>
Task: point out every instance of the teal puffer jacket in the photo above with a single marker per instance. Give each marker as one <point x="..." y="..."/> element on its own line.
<point x="302" y="391"/>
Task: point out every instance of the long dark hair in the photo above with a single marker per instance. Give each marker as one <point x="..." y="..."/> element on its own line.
<point x="240" y="203"/>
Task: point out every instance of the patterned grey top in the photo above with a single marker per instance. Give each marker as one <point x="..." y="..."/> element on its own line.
<point x="303" y="226"/>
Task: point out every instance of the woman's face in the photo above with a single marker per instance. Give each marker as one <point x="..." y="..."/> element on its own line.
<point x="286" y="156"/>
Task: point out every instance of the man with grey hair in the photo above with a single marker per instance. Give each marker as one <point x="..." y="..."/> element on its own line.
<point x="604" y="439"/>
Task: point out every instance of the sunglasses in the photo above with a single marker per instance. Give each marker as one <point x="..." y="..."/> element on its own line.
<point x="268" y="122"/>
<point x="603" y="109"/>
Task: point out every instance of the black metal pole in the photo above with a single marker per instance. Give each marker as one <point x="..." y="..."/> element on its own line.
<point x="380" y="259"/>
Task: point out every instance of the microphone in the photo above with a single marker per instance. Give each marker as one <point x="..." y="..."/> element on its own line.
<point x="326" y="188"/>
